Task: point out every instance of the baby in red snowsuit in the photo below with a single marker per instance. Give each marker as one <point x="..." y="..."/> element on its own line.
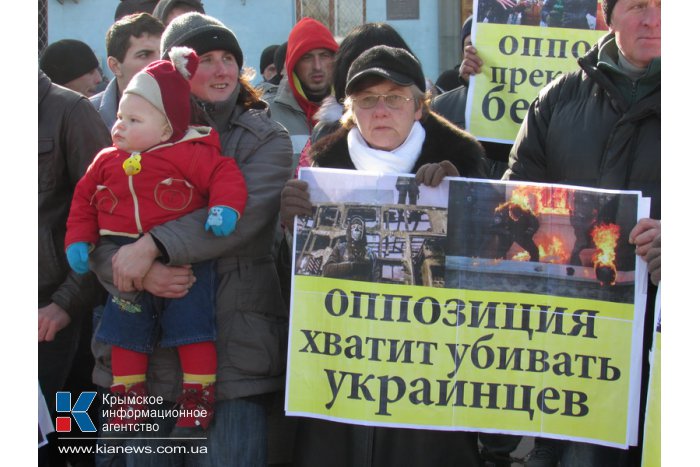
<point x="158" y="169"/>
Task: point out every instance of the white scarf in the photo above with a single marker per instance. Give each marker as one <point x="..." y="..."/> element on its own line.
<point x="400" y="160"/>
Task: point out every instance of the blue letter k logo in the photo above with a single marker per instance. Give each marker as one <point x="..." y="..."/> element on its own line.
<point x="79" y="410"/>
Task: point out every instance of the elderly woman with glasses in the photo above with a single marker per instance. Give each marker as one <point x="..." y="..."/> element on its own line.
<point x="387" y="128"/>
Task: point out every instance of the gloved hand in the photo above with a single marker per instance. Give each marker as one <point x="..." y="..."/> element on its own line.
<point x="221" y="221"/>
<point x="432" y="174"/>
<point x="77" y="254"/>
<point x="295" y="201"/>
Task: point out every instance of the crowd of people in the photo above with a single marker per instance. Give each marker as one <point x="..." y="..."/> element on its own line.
<point x="129" y="270"/>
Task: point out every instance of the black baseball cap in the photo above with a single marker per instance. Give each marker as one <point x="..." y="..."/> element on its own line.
<point x="392" y="63"/>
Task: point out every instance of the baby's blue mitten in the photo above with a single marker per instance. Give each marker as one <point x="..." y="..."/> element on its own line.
<point x="221" y="221"/>
<point x="77" y="254"/>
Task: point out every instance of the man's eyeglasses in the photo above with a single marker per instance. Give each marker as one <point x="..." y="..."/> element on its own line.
<point x="393" y="101"/>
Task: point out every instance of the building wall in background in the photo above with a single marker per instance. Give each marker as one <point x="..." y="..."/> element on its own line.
<point x="256" y="23"/>
<point x="421" y="34"/>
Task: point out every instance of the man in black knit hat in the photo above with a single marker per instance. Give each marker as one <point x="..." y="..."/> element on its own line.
<point x="72" y="64"/>
<point x="129" y="7"/>
<point x="267" y="62"/>
<point x="452" y="104"/>
<point x="270" y="73"/>
<point x="167" y="10"/>
<point x="269" y="87"/>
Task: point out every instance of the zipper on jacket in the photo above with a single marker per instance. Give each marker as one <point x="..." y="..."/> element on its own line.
<point x="137" y="218"/>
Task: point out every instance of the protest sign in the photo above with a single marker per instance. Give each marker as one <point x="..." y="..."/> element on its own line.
<point x="651" y="451"/>
<point x="523" y="50"/>
<point x="476" y="305"/>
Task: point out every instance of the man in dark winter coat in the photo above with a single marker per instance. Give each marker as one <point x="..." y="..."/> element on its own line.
<point x="70" y="134"/>
<point x="452" y="104"/>
<point x="601" y="127"/>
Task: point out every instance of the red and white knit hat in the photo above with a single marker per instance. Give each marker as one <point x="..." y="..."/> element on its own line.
<point x="165" y="84"/>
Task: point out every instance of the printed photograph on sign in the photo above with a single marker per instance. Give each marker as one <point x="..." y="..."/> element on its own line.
<point x="390" y="231"/>
<point x="542" y="239"/>
<point x="573" y="14"/>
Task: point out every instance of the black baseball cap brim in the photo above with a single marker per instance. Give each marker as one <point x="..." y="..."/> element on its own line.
<point x="391" y="63"/>
<point x="395" y="76"/>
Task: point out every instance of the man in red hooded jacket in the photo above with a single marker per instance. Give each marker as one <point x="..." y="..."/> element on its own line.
<point x="309" y="64"/>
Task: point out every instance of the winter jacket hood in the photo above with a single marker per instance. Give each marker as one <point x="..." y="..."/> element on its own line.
<point x="308" y="34"/>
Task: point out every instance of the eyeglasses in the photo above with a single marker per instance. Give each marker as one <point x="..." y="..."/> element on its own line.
<point x="393" y="101"/>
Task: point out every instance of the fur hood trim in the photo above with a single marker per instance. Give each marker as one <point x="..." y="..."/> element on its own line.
<point x="330" y="111"/>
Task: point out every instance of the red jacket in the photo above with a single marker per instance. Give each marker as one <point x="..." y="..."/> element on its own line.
<point x="175" y="179"/>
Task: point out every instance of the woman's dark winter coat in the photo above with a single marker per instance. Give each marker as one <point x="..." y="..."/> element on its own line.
<point x="323" y="443"/>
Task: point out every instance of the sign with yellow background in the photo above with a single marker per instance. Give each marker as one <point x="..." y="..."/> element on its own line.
<point x="519" y="60"/>
<point x="433" y="341"/>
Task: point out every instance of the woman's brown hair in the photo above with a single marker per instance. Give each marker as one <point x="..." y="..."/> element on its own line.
<point x="249" y="97"/>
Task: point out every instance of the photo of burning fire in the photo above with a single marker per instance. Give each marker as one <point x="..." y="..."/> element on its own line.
<point x="542" y="232"/>
<point x="537" y="201"/>
<point x="605" y="238"/>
